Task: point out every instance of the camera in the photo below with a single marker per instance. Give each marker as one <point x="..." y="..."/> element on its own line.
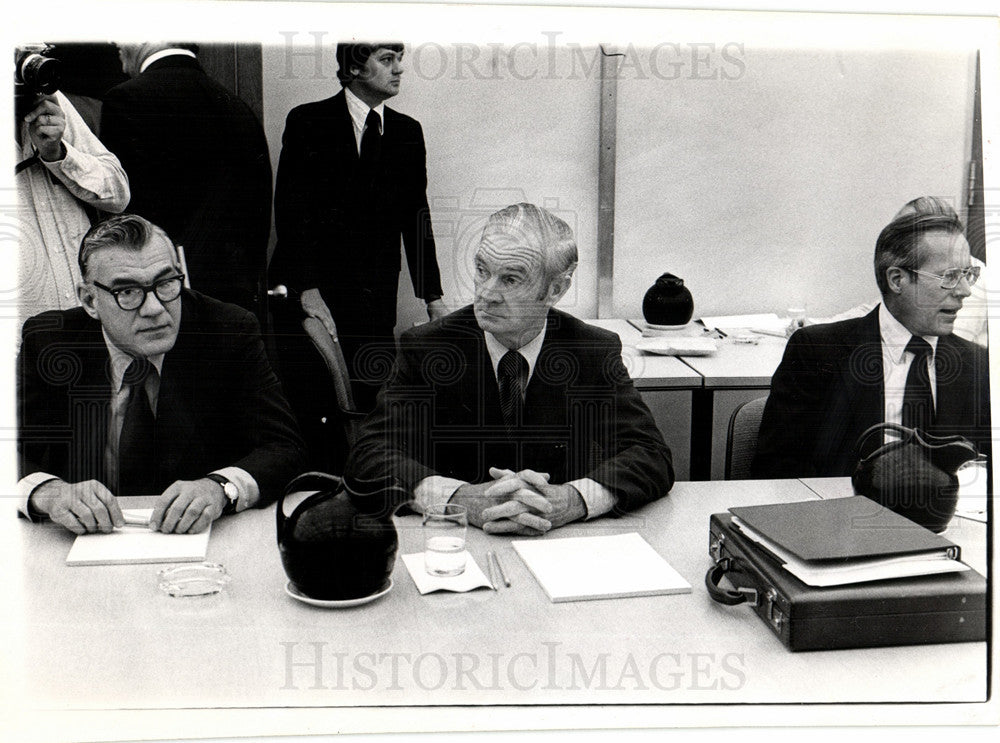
<point x="36" y="73"/>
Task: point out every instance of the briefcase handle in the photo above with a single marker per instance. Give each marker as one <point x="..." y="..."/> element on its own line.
<point x="722" y="595"/>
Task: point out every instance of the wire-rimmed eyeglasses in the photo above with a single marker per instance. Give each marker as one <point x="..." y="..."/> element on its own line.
<point x="950" y="278"/>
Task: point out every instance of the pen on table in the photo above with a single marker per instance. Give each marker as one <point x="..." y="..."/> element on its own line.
<point x="503" y="574"/>
<point x="721" y="333"/>
<point x="489" y="568"/>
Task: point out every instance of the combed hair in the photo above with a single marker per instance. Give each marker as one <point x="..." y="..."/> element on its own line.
<point x="542" y="229"/>
<point x="128" y="231"/>
<point x="898" y="241"/>
<point x="356" y="55"/>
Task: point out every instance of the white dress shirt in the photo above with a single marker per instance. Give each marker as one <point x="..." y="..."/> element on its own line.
<point x="172" y="52"/>
<point x="597" y="499"/>
<point x="358" y="110"/>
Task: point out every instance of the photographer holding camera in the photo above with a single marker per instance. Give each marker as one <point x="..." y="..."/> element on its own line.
<point x="64" y="175"/>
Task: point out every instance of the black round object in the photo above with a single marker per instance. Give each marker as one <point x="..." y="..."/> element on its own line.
<point x="668" y="302"/>
<point x="339" y="545"/>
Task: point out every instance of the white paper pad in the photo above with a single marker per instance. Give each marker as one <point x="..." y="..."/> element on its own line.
<point x="583" y="568"/>
<point x="768" y="323"/>
<point x="678" y="346"/>
<point x="472" y="577"/>
<point x="972" y="492"/>
<point x="137" y="544"/>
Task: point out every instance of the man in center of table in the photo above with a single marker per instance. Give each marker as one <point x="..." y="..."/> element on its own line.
<point x="512" y="408"/>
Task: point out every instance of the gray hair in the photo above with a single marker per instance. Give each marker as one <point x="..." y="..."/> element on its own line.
<point x="128" y="231"/>
<point x="542" y="229"/>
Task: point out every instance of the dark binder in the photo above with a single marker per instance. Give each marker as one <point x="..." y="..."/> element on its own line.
<point x="950" y="607"/>
<point x="841" y="529"/>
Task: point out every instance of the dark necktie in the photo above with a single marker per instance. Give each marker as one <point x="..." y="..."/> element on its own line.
<point x="371" y="142"/>
<point x="918" y="403"/>
<point x="512" y="378"/>
<point x="136" y="444"/>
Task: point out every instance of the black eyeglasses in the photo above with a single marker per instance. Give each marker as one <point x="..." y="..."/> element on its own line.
<point x="133" y="297"/>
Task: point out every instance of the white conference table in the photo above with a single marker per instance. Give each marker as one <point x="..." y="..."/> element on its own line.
<point x="98" y="638"/>
<point x="714" y="385"/>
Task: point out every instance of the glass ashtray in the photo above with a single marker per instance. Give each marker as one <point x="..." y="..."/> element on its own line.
<point x="204" y="579"/>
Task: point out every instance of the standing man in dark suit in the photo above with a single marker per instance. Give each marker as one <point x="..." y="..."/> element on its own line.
<point x="901" y="363"/>
<point x="520" y="412"/>
<point x="352" y="180"/>
<point x="197" y="161"/>
<point x="147" y="389"/>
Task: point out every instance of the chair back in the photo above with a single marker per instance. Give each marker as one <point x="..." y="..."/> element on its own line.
<point x="333" y="356"/>
<point x="741" y="441"/>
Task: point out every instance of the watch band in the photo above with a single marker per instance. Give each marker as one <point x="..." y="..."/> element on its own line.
<point x="228" y="489"/>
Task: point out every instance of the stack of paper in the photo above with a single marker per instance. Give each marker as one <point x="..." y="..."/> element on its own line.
<point x="767" y="323"/>
<point x="608" y="567"/>
<point x="137" y="544"/>
<point x="846" y="540"/>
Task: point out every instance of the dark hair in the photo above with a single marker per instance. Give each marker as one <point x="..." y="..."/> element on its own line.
<point x="128" y="231"/>
<point x="898" y="241"/>
<point x="356" y="55"/>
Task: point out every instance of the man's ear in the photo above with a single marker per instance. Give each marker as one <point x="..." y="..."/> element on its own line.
<point x="559" y="286"/>
<point x="894" y="276"/>
<point x="88" y="299"/>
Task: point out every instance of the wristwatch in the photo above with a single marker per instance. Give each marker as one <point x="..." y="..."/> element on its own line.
<point x="228" y="489"/>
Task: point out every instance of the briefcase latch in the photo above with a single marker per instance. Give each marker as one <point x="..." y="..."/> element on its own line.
<point x="715" y="545"/>
<point x="774" y="614"/>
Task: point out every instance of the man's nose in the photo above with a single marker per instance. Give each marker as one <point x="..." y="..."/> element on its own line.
<point x="963" y="288"/>
<point x="489" y="290"/>
<point x="151" y="305"/>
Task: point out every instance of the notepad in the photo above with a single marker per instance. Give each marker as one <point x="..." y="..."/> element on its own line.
<point x="768" y="323"/>
<point x="137" y="544"/>
<point x="606" y="567"/>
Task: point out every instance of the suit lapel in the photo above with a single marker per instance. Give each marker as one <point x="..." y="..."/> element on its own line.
<point x="343" y="131"/>
<point x="177" y="410"/>
<point x="90" y="409"/>
<point x="862" y="381"/>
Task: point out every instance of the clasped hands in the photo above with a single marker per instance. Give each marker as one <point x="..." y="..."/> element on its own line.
<point x="187" y="506"/>
<point x="522" y="503"/>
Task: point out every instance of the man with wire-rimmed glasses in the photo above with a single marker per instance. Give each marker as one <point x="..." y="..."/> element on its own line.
<point x="147" y="389"/>
<point x="901" y="363"/>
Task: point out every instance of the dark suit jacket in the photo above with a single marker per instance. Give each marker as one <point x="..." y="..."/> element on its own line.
<point x="219" y="404"/>
<point x="829" y="389"/>
<point x="341" y="236"/>
<point x="198" y="166"/>
<point x="440" y="413"/>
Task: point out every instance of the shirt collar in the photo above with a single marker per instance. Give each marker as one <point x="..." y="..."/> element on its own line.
<point x="359" y="110"/>
<point x="529" y="350"/>
<point x="120" y="361"/>
<point x="895" y="336"/>
<point x="156" y="56"/>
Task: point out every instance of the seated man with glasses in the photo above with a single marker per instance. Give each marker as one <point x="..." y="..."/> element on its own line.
<point x="147" y="389"/>
<point x="901" y="363"/>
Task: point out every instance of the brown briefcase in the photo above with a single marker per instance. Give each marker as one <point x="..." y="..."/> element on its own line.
<point x="950" y="607"/>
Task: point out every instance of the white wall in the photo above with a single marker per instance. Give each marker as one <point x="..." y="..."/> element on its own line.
<point x="768" y="190"/>
<point x="764" y="186"/>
